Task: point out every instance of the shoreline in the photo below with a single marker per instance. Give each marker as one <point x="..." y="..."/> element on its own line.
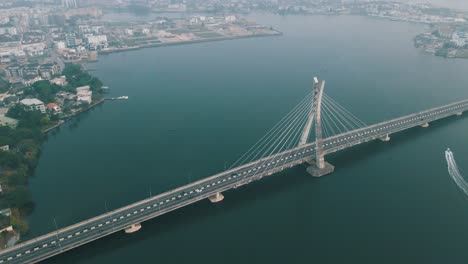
<point x="154" y="45"/>
<point x="61" y="122"/>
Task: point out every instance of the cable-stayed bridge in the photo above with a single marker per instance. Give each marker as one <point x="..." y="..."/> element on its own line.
<point x="284" y="146"/>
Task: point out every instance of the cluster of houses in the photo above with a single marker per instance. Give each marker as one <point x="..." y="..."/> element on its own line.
<point x="62" y="99"/>
<point x="10" y="236"/>
<point x="83" y="95"/>
<point x="31" y="73"/>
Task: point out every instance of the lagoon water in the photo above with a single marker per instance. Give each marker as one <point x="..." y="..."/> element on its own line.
<point x="194" y="109"/>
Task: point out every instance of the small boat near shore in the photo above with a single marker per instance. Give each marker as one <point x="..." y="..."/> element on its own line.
<point x="124" y="97"/>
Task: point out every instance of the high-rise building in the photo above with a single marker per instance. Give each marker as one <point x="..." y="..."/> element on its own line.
<point x="70" y="40"/>
<point x="70" y="3"/>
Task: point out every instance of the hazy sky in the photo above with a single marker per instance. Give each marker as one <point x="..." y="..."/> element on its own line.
<point x="457" y="4"/>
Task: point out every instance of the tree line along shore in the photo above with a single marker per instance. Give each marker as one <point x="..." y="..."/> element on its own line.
<point x="21" y="140"/>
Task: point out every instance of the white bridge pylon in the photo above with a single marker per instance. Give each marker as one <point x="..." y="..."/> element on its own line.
<point x="316" y="110"/>
<point x="318" y="167"/>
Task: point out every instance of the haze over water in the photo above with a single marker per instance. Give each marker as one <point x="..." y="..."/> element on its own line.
<point x="195" y="108"/>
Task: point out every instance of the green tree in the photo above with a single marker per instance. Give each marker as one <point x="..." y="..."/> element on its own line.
<point x="17" y="222"/>
<point x="45" y="91"/>
<point x="19" y="197"/>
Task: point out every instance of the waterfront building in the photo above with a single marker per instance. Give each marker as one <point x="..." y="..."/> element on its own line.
<point x="7" y="121"/>
<point x="54" y="108"/>
<point x="62" y="81"/>
<point x="35" y="49"/>
<point x="60" y="45"/>
<point x="30" y="80"/>
<point x="82" y="88"/>
<point x="33" y="104"/>
<point x="14" y="71"/>
<point x="48" y="70"/>
<point x="459" y="39"/>
<point x="5" y="212"/>
<point x="8" y="30"/>
<point x="8" y="228"/>
<point x="97" y="42"/>
<point x="84" y="94"/>
<point x="31" y="71"/>
<point x="70" y="40"/>
<point x="5" y="58"/>
<point x="230" y="19"/>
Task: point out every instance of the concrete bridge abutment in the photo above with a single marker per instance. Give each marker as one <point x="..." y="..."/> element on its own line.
<point x="385" y="139"/>
<point x="315" y="171"/>
<point x="218" y="197"/>
<point x="133" y="228"/>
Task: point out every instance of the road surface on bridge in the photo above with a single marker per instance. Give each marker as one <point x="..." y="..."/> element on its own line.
<point x="67" y="238"/>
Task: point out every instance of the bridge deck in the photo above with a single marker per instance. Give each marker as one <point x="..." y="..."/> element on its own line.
<point x="94" y="228"/>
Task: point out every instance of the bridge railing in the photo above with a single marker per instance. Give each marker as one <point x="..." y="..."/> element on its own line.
<point x="103" y="217"/>
<point x="395" y="120"/>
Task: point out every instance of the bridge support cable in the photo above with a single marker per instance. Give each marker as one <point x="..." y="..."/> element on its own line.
<point x="358" y="121"/>
<point x="286" y="136"/>
<point x="330" y="123"/>
<point x="272" y="133"/>
<point x="338" y="119"/>
<point x="340" y="123"/>
<point x="286" y="141"/>
<point x="325" y="129"/>
<point x="291" y="138"/>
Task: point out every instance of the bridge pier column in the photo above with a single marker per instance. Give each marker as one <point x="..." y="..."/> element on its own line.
<point x="425" y="125"/>
<point x="218" y="197"/>
<point x="133" y="228"/>
<point x="315" y="171"/>
<point x="385" y="139"/>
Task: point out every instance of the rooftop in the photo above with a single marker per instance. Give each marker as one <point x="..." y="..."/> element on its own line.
<point x="31" y="101"/>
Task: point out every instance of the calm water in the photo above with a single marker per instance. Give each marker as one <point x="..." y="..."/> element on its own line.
<point x="195" y="108"/>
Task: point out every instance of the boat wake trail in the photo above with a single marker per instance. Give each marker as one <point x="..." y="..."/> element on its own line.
<point x="455" y="173"/>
